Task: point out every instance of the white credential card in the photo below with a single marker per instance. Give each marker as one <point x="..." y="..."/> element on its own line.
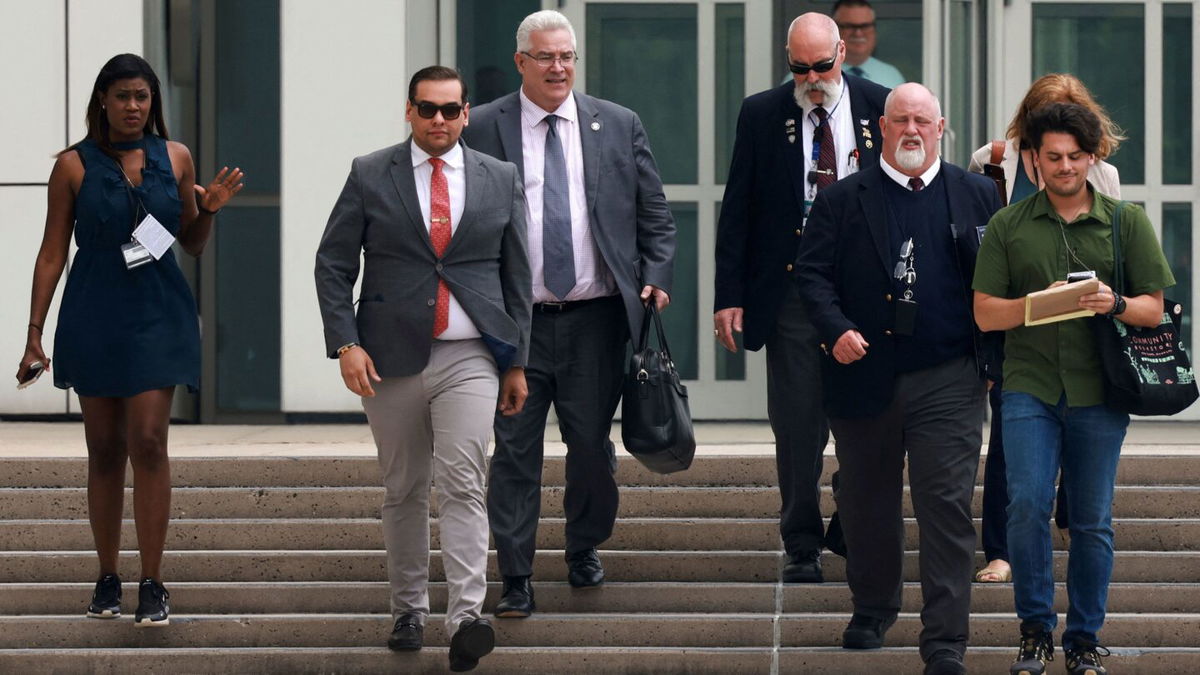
<point x="151" y="234"/>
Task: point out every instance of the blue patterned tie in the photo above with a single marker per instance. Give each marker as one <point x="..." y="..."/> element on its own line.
<point x="558" y="261"/>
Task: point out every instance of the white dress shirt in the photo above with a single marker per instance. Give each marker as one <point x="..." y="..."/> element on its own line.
<point x="592" y="276"/>
<point x="902" y="179"/>
<point x="844" y="142"/>
<point x="460" y="327"/>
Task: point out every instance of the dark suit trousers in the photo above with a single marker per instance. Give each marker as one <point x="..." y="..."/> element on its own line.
<point x="576" y="362"/>
<point x="797" y="414"/>
<point x="936" y="418"/>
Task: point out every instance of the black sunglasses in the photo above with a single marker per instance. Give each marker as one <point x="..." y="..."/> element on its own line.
<point x="427" y="110"/>
<point x="803" y="68"/>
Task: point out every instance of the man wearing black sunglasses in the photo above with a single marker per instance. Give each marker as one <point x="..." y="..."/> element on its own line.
<point x="792" y="141"/>
<point x="441" y="334"/>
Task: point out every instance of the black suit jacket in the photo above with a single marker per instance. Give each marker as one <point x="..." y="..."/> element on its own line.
<point x="845" y="273"/>
<point x="763" y="207"/>
<point x="627" y="210"/>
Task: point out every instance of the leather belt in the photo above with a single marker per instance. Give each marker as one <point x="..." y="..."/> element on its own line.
<point x="560" y="307"/>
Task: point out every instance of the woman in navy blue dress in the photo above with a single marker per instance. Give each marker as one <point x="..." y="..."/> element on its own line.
<point x="126" y="335"/>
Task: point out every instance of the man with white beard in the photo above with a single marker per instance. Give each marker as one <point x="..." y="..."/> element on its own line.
<point x="885" y="271"/>
<point x="792" y="142"/>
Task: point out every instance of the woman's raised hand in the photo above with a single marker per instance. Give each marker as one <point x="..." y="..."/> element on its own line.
<point x="222" y="188"/>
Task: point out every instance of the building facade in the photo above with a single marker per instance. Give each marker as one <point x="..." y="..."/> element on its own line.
<point x="292" y="90"/>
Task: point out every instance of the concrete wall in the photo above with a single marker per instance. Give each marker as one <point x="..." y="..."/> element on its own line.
<point x="50" y="53"/>
<point x="344" y="81"/>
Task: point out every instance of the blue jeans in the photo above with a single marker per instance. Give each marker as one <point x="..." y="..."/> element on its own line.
<point x="1087" y="442"/>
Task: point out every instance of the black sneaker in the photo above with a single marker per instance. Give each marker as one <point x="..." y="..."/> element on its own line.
<point x="1037" y="647"/>
<point x="152" y="609"/>
<point x="106" y="599"/>
<point x="1084" y="659"/>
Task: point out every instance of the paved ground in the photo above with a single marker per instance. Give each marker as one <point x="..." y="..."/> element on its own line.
<point x="65" y="439"/>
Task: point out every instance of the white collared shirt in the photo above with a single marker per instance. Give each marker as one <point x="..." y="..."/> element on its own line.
<point x="902" y="180"/>
<point x="592" y="276"/>
<point x="844" y="143"/>
<point x="460" y="327"/>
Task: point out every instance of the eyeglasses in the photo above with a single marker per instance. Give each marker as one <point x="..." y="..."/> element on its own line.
<point x="850" y="27"/>
<point x="547" y="60"/>
<point x="427" y="110"/>
<point x="803" y="68"/>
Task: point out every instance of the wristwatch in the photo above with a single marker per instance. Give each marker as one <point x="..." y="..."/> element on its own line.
<point x="345" y="348"/>
<point x="1118" y="305"/>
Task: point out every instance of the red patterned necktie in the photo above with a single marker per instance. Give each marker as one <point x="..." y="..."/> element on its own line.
<point x="439" y="235"/>
<point x="827" y="157"/>
<point x="916" y="184"/>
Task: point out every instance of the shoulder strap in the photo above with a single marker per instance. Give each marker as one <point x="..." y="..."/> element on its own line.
<point x="997" y="151"/>
<point x="1118" y="263"/>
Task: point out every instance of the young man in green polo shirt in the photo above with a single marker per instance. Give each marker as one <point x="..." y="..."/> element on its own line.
<point x="1053" y="396"/>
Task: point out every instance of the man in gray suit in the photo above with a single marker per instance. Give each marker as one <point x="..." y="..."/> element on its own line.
<point x="444" y="310"/>
<point x="601" y="243"/>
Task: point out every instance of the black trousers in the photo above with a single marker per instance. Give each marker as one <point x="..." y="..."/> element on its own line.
<point x="576" y="362"/>
<point x="796" y="410"/>
<point x="935" y="419"/>
<point x="994" y="528"/>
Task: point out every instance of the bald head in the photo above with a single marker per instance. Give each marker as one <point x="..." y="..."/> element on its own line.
<point x="912" y="126"/>
<point x="815" y="47"/>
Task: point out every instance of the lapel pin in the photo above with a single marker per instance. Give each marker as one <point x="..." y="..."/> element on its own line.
<point x="789" y="122"/>
<point x="862" y="123"/>
<point x="595" y="126"/>
<point x="869" y="144"/>
<point x="791" y="138"/>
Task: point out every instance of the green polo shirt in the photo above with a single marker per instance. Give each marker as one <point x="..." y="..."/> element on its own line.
<point x="1025" y="250"/>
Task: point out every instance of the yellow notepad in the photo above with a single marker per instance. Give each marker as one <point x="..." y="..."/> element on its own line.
<point x="1059" y="303"/>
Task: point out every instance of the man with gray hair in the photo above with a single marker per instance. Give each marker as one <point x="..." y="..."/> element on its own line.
<point x="601" y="243"/>
<point x="885" y="270"/>
<point x="793" y="141"/>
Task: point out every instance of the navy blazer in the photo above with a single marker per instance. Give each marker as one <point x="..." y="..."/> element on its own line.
<point x="762" y="211"/>
<point x="627" y="209"/>
<point x="845" y="274"/>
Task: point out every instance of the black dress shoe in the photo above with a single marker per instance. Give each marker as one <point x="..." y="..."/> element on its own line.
<point x="835" y="541"/>
<point x="804" y="568"/>
<point x="406" y="633"/>
<point x="516" y="601"/>
<point x="865" y="632"/>
<point x="945" y="662"/>
<point x="474" y="639"/>
<point x="584" y="569"/>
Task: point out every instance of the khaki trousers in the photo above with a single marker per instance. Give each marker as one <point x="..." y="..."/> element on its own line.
<point x="437" y="425"/>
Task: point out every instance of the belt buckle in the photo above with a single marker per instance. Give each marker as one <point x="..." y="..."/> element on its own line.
<point x="553" y="307"/>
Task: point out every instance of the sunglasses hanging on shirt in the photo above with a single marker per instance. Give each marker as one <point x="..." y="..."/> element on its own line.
<point x="906" y="307"/>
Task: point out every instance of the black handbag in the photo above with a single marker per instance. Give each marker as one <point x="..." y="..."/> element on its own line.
<point x="1146" y="370"/>
<point x="656" y="424"/>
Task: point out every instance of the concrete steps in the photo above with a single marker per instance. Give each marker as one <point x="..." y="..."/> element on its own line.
<point x="277" y="565"/>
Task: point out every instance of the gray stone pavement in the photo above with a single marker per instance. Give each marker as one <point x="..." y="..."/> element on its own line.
<point x="65" y="439"/>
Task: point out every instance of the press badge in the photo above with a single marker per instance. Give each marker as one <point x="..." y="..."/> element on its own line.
<point x="150" y="241"/>
<point x="135" y="254"/>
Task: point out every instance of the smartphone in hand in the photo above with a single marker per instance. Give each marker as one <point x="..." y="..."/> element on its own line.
<point x="35" y="371"/>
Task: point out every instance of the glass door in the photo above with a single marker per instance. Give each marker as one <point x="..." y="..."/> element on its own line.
<point x="684" y="67"/>
<point x="1139" y="60"/>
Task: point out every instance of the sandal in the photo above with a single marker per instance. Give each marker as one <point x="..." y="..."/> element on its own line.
<point x="997" y="572"/>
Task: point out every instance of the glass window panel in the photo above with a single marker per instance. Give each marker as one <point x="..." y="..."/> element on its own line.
<point x="1102" y="44"/>
<point x="730" y="81"/>
<point x="1177" y="245"/>
<point x="960" y="116"/>
<point x="247" y="79"/>
<point x="486" y="43"/>
<point x="248" y="324"/>
<point x="644" y="57"/>
<point x="1177" y="93"/>
<point x="681" y="316"/>
<point x="730" y="365"/>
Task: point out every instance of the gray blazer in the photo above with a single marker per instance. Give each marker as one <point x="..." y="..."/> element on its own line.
<point x="486" y="264"/>
<point x="627" y="210"/>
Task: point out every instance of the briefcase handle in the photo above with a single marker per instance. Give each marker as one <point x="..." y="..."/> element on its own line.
<point x="643" y="340"/>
